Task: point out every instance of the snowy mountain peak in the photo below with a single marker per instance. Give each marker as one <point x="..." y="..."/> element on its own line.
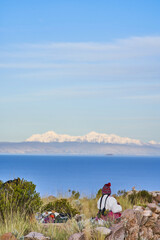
<point x="92" y="134"/>
<point x="92" y="137"/>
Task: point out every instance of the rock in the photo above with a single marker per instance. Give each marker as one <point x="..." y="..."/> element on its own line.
<point x="152" y="206"/>
<point x="138" y="208"/>
<point x="77" y="236"/>
<point x="8" y="236"/>
<point x="127" y="213"/>
<point x="103" y="230"/>
<point x="139" y="216"/>
<point x="34" y="236"/>
<point x="157" y="210"/>
<point x="156" y="237"/>
<point x="146" y="233"/>
<point x="147" y="213"/>
<point x="151" y="222"/>
<point x="154" y="194"/>
<point x="157" y="198"/>
<point x="131" y="224"/>
<point x="155" y="216"/>
<point x="156" y="229"/>
<point x="78" y="217"/>
<point x="144" y="220"/>
<point x="118" y="232"/>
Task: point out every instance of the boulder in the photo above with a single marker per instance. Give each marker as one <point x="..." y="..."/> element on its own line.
<point x="138" y="208"/>
<point x="103" y="231"/>
<point x="155" y="216"/>
<point x="151" y="222"/>
<point x="118" y="232"/>
<point x="139" y="216"/>
<point x="152" y="206"/>
<point x="157" y="210"/>
<point x="156" y="229"/>
<point x="157" y="198"/>
<point x="8" y="236"/>
<point x="156" y="237"/>
<point x="131" y="224"/>
<point x="147" y="213"/>
<point x="144" y="220"/>
<point x="35" y="236"/>
<point x="154" y="194"/>
<point x="77" y="236"/>
<point x="146" y="233"/>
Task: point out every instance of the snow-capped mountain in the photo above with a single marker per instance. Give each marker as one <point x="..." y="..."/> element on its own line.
<point x="90" y="144"/>
<point x="91" y="137"/>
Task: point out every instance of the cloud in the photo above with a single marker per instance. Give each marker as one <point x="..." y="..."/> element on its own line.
<point x="130" y="59"/>
<point x="143" y="97"/>
<point x="134" y="47"/>
<point x="134" y="61"/>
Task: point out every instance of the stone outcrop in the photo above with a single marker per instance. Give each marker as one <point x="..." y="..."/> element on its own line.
<point x="142" y="223"/>
<point x="35" y="236"/>
<point x="117" y="232"/>
<point x="103" y="230"/>
<point x="8" y="236"/>
<point x="77" y="236"/>
<point x="157" y="198"/>
<point x="138" y="223"/>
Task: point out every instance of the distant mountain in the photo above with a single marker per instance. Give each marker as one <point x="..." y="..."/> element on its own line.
<point x="90" y="144"/>
<point x="91" y="137"/>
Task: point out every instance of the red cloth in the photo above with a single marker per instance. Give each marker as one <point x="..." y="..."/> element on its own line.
<point x="114" y="215"/>
<point x="110" y="216"/>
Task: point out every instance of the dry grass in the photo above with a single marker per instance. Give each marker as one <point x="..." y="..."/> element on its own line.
<point x="16" y="224"/>
<point x="124" y="202"/>
<point x="20" y="225"/>
<point x="89" y="207"/>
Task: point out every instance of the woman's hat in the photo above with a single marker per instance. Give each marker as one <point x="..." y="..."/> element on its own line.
<point x="106" y="189"/>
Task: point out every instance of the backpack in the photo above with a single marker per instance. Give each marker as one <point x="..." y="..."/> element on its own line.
<point x="101" y="211"/>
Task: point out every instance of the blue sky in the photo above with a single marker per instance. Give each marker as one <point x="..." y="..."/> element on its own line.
<point x="80" y="66"/>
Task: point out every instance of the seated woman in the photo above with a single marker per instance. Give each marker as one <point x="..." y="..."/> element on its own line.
<point x="109" y="204"/>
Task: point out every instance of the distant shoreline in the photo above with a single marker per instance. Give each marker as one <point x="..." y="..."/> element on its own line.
<point x="77" y="148"/>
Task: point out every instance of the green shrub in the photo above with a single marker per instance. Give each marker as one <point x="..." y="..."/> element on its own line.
<point x="1" y="183"/>
<point x="99" y="193"/>
<point x="75" y="195"/>
<point x="61" y="206"/>
<point x="18" y="195"/>
<point x="141" y="197"/>
<point x="122" y="192"/>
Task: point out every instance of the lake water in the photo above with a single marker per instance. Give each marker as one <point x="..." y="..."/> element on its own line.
<point x="87" y="174"/>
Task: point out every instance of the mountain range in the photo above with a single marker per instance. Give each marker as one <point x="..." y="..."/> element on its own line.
<point x="90" y="144"/>
<point x="92" y="137"/>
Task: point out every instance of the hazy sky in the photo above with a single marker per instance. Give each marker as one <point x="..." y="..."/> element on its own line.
<point x="80" y="66"/>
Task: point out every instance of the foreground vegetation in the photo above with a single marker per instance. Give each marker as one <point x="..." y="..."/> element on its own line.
<point x="19" y="202"/>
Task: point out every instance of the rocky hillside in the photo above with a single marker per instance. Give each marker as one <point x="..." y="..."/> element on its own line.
<point x="139" y="223"/>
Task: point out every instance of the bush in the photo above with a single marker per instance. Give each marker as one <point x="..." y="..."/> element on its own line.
<point x="122" y="192"/>
<point x="61" y="206"/>
<point x="141" y="197"/>
<point x="75" y="195"/>
<point x="99" y="193"/>
<point x="19" y="196"/>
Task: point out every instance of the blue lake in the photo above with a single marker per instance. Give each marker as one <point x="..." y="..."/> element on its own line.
<point x="87" y="174"/>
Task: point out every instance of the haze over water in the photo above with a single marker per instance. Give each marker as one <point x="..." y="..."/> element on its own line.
<point x="57" y="174"/>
